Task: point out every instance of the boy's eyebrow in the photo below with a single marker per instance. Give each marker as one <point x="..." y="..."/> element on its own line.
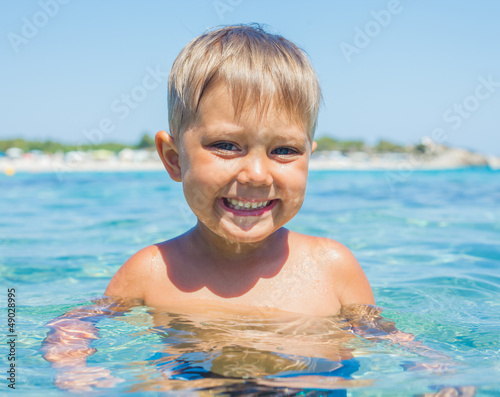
<point x="226" y="129"/>
<point x="292" y="140"/>
<point x="281" y="136"/>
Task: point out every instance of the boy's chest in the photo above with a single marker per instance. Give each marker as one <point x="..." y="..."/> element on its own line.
<point x="299" y="287"/>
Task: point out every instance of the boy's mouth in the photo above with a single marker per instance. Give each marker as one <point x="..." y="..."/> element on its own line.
<point x="248" y="207"/>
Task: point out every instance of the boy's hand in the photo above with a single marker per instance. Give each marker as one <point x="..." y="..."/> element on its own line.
<point x="366" y="321"/>
<point x="69" y="341"/>
<point x="83" y="378"/>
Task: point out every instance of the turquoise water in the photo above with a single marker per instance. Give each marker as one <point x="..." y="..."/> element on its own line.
<point x="430" y="246"/>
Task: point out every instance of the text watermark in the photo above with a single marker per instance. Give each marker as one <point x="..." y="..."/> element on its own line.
<point x="32" y="26"/>
<point x="11" y="337"/>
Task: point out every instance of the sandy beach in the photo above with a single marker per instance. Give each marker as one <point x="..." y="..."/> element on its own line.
<point x="441" y="159"/>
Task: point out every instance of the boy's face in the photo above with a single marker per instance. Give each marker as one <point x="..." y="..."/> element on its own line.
<point x="243" y="178"/>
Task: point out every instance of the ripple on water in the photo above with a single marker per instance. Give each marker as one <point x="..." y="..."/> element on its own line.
<point x="429" y="247"/>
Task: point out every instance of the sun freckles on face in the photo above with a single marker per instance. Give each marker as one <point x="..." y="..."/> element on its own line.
<point x="243" y="177"/>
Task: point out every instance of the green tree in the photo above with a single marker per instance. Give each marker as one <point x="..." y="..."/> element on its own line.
<point x="386" y="146"/>
<point x="146" y="142"/>
<point x="351" y="146"/>
<point x="327" y="143"/>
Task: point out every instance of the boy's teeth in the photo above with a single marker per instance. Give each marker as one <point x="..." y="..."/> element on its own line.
<point x="238" y="204"/>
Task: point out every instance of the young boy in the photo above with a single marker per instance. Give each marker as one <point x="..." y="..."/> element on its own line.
<point x="243" y="106"/>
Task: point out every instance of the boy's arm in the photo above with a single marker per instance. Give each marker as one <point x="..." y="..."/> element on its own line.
<point x="356" y="297"/>
<point x="68" y="342"/>
<point x="67" y="345"/>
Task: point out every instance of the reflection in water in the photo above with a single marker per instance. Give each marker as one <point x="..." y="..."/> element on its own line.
<point x="219" y="351"/>
<point x="216" y="349"/>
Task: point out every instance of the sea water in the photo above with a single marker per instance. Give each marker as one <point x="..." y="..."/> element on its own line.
<point x="429" y="243"/>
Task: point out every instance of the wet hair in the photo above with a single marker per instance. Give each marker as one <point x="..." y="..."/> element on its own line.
<point x="260" y="69"/>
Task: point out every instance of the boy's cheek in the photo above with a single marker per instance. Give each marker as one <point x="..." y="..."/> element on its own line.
<point x="295" y="181"/>
<point x="297" y="200"/>
<point x="195" y="198"/>
<point x="198" y="194"/>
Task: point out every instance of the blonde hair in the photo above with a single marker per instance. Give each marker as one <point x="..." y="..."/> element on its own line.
<point x="259" y="68"/>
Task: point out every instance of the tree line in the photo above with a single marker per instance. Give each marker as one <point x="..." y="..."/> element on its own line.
<point x="147" y="142"/>
<point x="49" y="146"/>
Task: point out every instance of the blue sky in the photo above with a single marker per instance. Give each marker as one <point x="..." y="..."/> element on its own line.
<point x="90" y="71"/>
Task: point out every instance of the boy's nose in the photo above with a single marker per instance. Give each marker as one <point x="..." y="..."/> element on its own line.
<point x="255" y="171"/>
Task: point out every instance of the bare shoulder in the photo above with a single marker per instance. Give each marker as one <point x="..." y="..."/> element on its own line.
<point x="133" y="278"/>
<point x="323" y="248"/>
<point x="346" y="273"/>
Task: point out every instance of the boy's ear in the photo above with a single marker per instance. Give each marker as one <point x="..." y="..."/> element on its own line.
<point x="313" y="147"/>
<point x="169" y="154"/>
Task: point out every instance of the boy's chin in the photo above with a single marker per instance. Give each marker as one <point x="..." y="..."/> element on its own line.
<point x="247" y="233"/>
<point x="241" y="232"/>
<point x="249" y="239"/>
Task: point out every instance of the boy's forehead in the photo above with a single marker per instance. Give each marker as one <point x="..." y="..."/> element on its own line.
<point x="221" y="101"/>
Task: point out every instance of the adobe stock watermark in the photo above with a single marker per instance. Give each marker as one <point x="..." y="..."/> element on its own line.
<point x="120" y="109"/>
<point x="222" y="7"/>
<point x="364" y="36"/>
<point x="453" y="117"/>
<point x="32" y="26"/>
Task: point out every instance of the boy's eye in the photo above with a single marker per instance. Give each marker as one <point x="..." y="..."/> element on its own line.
<point x="225" y="146"/>
<point x="283" y="151"/>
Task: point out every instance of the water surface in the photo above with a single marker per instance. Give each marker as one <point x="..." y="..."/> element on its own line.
<point x="429" y="246"/>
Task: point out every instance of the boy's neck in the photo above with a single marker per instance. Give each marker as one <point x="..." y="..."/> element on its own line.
<point x="214" y="246"/>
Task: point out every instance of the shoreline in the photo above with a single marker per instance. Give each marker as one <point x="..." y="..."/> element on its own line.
<point x="10" y="167"/>
<point x="426" y="157"/>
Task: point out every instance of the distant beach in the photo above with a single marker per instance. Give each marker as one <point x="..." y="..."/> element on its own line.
<point x="438" y="158"/>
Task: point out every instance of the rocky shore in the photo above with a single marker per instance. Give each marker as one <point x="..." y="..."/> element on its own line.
<point x="440" y="158"/>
